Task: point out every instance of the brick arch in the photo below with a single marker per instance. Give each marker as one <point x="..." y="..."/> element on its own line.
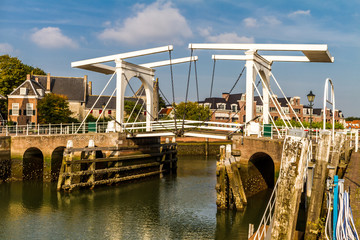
<point x="264" y="163"/>
<point x="33" y="164"/>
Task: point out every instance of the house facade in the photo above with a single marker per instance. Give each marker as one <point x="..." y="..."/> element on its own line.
<point x="232" y="108"/>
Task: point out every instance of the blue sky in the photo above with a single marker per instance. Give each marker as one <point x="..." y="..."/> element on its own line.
<point x="52" y="34"/>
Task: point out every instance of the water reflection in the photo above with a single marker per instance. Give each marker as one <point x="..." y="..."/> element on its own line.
<point x="180" y="206"/>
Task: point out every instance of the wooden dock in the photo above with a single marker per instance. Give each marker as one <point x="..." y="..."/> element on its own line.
<point x="109" y="165"/>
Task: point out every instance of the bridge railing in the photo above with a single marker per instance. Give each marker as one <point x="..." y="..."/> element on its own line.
<point x="52" y="129"/>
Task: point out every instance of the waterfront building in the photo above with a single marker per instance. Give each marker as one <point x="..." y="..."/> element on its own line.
<point x="232" y="108"/>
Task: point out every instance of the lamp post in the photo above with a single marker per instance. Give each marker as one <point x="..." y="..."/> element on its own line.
<point x="311" y="98"/>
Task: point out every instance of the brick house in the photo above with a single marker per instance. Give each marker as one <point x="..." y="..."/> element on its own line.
<point x="22" y="102"/>
<point x="231" y="108"/>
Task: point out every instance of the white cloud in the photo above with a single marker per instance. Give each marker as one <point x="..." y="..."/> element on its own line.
<point x="271" y="20"/>
<point x="250" y="22"/>
<point x="299" y="12"/>
<point x="229" y="37"/>
<point x="157" y="22"/>
<point x="6" y="48"/>
<point x="52" y="37"/>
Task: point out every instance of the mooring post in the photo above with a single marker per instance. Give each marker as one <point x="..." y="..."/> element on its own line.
<point x="92" y="163"/>
<point x="356" y="140"/>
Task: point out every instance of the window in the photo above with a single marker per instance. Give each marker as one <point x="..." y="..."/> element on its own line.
<point x="304" y="110"/>
<point x="272" y="109"/>
<point x="297" y="110"/>
<point x="233" y="107"/>
<point x="15" y="109"/>
<point x="109" y="111"/>
<point x="23" y="91"/>
<point x="221" y="106"/>
<point x="29" y="109"/>
<point x="258" y="109"/>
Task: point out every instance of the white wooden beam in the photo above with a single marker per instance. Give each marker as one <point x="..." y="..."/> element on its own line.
<point x="314" y="52"/>
<point x="122" y="56"/>
<point x="267" y="57"/>
<point x="167" y="62"/>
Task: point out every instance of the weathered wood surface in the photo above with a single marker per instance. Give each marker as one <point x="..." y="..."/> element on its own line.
<point x="318" y="186"/>
<point x="290" y="185"/>
<point x="229" y="187"/>
<point x="122" y="165"/>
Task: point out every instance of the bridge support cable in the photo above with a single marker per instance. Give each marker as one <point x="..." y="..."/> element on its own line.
<point x="107" y="103"/>
<point x="147" y="112"/>
<point x="107" y="84"/>
<point x="187" y="90"/>
<point x="276" y="103"/>
<point x="172" y="87"/>
<point x="272" y="120"/>
<point x="232" y="88"/>
<point x="132" y="111"/>
<point x="212" y="78"/>
<point x="297" y="117"/>
<point x="137" y="116"/>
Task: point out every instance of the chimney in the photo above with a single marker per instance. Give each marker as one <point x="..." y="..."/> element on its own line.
<point x="48" y="83"/>
<point x="85" y="87"/>
<point x="225" y="96"/>
<point x="37" y="79"/>
<point x="27" y="76"/>
<point x="90" y="88"/>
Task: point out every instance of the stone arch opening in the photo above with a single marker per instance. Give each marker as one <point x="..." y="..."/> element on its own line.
<point x="56" y="160"/>
<point x="265" y="164"/>
<point x="33" y="164"/>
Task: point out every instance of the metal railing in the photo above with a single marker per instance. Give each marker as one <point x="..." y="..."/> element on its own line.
<point x="266" y="220"/>
<point x="52" y="129"/>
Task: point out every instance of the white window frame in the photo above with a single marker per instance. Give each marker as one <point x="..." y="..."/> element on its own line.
<point x="15" y="108"/>
<point x="221" y="106"/>
<point x="29" y="109"/>
<point x="236" y="107"/>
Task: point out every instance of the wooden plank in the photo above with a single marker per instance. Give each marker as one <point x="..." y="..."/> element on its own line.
<point x="113" y="180"/>
<point x="110" y="170"/>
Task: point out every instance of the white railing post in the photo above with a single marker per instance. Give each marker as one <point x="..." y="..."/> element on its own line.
<point x="27" y="129"/>
<point x="84" y="128"/>
<point x="49" y="128"/>
<point x="72" y="128"/>
<point x="7" y="133"/>
<point x="16" y="130"/>
<point x="38" y="127"/>
<point x="60" y="128"/>
<point x="356" y="140"/>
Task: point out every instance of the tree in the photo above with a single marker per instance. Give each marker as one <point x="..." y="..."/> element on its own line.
<point x="54" y="108"/>
<point x="352" y="118"/>
<point x="12" y="73"/>
<point x="194" y="111"/>
<point x="162" y="103"/>
<point x="128" y="107"/>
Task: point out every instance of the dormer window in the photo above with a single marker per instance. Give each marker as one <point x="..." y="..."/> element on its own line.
<point x="23" y="91"/>
<point x="234" y="107"/>
<point x="40" y="92"/>
<point x="221" y="106"/>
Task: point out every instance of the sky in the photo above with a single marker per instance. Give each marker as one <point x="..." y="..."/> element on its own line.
<point x="52" y="34"/>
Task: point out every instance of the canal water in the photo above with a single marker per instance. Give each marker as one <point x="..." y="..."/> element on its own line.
<point x="180" y="206"/>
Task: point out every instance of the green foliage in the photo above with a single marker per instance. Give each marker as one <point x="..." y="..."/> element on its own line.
<point x="194" y="111"/>
<point x="352" y="118"/>
<point x="162" y="103"/>
<point x="307" y="124"/>
<point x="128" y="107"/>
<point x="54" y="108"/>
<point x="12" y="73"/>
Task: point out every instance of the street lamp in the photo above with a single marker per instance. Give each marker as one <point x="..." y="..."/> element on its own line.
<point x="311" y="98"/>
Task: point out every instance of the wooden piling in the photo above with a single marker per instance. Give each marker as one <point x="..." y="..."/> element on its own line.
<point x="229" y="188"/>
<point x="290" y="185"/>
<point x="318" y="186"/>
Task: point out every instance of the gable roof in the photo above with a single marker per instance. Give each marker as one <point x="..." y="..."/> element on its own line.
<point x="31" y="87"/>
<point x="72" y="87"/>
